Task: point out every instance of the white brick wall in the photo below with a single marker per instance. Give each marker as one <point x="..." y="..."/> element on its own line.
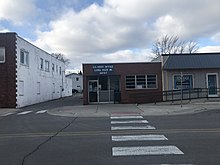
<point x="38" y="84"/>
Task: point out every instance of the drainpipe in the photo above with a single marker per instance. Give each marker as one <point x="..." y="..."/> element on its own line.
<point x="62" y="89"/>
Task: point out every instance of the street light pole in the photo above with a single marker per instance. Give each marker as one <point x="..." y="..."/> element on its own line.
<point x="181" y="88"/>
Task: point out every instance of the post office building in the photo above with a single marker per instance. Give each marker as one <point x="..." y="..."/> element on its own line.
<point x="122" y="83"/>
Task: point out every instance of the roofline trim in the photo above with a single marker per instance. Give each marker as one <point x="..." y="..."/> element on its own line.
<point x="212" y="53"/>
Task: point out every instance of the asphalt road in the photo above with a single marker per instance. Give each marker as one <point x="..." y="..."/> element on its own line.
<point x="41" y="139"/>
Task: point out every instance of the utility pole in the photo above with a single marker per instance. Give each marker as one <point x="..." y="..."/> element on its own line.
<point x="181" y="75"/>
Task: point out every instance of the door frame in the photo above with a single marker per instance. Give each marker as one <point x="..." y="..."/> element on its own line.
<point x="207" y="84"/>
<point x="97" y="81"/>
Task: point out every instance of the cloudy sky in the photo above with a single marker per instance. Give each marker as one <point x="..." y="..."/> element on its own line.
<point x="89" y="31"/>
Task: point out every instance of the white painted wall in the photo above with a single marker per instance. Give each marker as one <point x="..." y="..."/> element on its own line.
<point x="36" y="84"/>
<point x="67" y="87"/>
<point x="77" y="80"/>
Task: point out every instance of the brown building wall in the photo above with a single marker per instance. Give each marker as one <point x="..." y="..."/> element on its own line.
<point x="85" y="88"/>
<point x="124" y="69"/>
<point x="8" y="71"/>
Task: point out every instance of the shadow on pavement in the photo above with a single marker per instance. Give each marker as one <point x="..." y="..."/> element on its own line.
<point x="74" y="100"/>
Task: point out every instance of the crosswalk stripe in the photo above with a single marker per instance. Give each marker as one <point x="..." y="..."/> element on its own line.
<point x="24" y="113"/>
<point x="126" y="117"/>
<point x="129" y="122"/>
<point x="172" y="164"/>
<point x="138" y="138"/>
<point x="7" y="114"/>
<point x="132" y="127"/>
<point x="146" y="150"/>
<point x="42" y="111"/>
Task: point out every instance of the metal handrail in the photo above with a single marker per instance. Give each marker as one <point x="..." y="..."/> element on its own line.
<point x="174" y="95"/>
<point x="188" y="94"/>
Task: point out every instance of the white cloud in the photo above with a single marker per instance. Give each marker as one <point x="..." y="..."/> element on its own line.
<point x="209" y="49"/>
<point x="200" y="18"/>
<point x="124" y="30"/>
<point x="137" y="10"/>
<point x="169" y="25"/>
<point x="3" y="30"/>
<point x="216" y="37"/>
<point x="93" y="31"/>
<point x="18" y="11"/>
<point x="143" y="55"/>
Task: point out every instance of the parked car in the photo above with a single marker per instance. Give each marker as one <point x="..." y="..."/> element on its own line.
<point x="75" y="91"/>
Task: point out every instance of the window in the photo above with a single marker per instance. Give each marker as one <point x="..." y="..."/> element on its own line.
<point x="41" y="64"/>
<point x="187" y="81"/>
<point x="24" y="57"/>
<point x="141" y="82"/>
<point x="53" y="67"/>
<point x="47" y="66"/>
<point x="130" y="82"/>
<point x="77" y="78"/>
<point x="2" y="55"/>
<point x="38" y="88"/>
<point x="60" y="71"/>
<point x="56" y="68"/>
<point x="151" y="81"/>
<point x="21" y="88"/>
<point x="54" y="88"/>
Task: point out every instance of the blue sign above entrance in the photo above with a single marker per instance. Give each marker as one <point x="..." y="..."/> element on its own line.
<point x="103" y="69"/>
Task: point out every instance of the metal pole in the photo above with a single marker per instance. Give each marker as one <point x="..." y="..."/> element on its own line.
<point x="181" y="89"/>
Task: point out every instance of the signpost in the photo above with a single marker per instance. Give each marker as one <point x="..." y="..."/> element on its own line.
<point x="181" y="88"/>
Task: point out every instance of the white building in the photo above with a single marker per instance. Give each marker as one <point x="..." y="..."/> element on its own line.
<point x="77" y="82"/>
<point x="39" y="76"/>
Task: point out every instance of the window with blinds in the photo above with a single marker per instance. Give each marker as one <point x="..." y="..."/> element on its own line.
<point x="141" y="82"/>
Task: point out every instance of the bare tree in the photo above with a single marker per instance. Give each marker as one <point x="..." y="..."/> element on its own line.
<point x="62" y="57"/>
<point x="192" y="46"/>
<point x="173" y="45"/>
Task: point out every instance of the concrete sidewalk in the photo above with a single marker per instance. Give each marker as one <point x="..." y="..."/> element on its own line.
<point x="106" y="110"/>
<point x="5" y="111"/>
<point x="72" y="107"/>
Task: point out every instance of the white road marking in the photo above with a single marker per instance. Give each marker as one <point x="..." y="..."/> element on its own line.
<point x="129" y="122"/>
<point x="126" y="117"/>
<point x="138" y="138"/>
<point x="42" y="111"/>
<point x="148" y="150"/>
<point x="7" y="114"/>
<point x="132" y="127"/>
<point x="24" y="113"/>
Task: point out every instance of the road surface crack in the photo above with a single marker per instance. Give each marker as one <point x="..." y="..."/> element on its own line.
<point x="46" y="141"/>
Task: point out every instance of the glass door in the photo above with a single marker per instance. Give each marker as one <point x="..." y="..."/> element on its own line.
<point x="212" y="84"/>
<point x="93" y="91"/>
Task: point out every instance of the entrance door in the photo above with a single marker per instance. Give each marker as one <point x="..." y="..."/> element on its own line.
<point x="212" y="84"/>
<point x="93" y="91"/>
